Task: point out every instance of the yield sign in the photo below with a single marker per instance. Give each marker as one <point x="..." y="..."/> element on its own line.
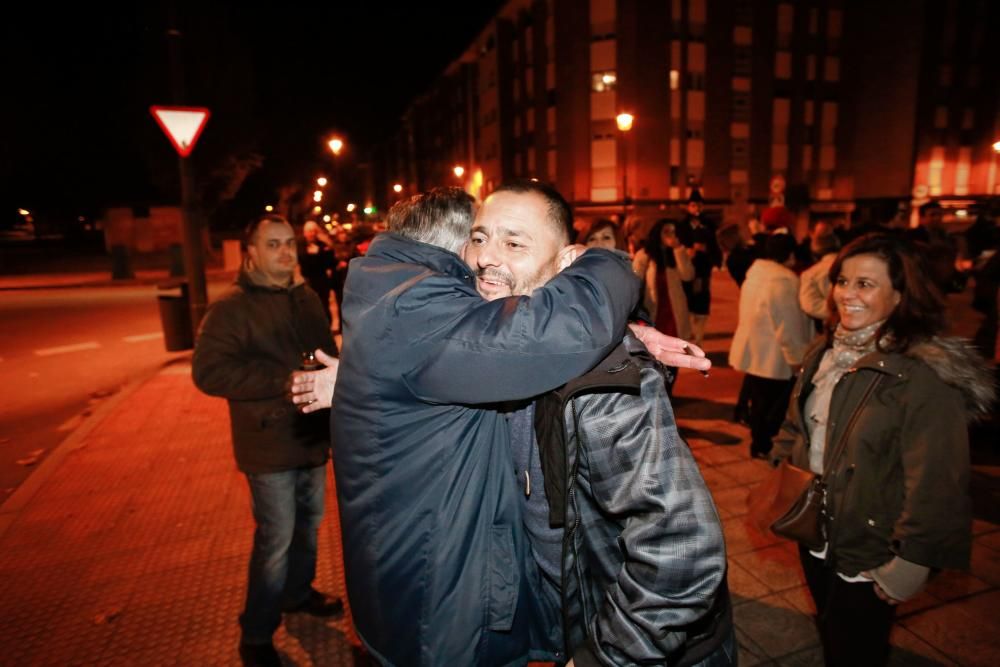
<point x="182" y="125"/>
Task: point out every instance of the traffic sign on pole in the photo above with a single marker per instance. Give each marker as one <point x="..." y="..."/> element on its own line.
<point x="182" y="125"/>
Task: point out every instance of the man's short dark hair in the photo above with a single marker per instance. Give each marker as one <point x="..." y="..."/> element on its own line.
<point x="560" y="213"/>
<point x="779" y="247"/>
<point x="250" y="232"/>
<point x="441" y="216"/>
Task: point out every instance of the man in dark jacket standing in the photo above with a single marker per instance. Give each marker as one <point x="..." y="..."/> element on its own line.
<point x="436" y="559"/>
<point x="249" y="344"/>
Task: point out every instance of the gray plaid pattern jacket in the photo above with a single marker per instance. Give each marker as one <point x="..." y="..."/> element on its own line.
<point x="644" y="558"/>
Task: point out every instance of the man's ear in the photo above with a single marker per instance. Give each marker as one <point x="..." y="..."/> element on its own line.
<point x="568" y="255"/>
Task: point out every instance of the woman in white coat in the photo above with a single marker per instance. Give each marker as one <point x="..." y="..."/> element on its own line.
<point x="662" y="265"/>
<point x="771" y="338"/>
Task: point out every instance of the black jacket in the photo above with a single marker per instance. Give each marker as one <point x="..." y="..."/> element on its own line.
<point x="644" y="558"/>
<point x="248" y="345"/>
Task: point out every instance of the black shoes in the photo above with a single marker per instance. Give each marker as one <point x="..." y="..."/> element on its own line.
<point x="259" y="655"/>
<point x="318" y="604"/>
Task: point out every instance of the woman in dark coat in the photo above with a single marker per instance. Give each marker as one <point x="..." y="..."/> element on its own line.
<point x="893" y="396"/>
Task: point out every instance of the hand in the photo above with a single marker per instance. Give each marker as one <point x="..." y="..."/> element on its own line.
<point x="672" y="351"/>
<point x="313" y="390"/>
<point x="880" y="592"/>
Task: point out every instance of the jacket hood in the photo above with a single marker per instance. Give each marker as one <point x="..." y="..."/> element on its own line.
<point x="958" y="364"/>
<point x="396" y="248"/>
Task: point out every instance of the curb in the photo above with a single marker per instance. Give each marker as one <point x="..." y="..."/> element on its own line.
<point x="11" y="508"/>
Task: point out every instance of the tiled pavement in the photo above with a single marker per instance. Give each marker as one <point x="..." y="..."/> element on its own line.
<point x="132" y="548"/>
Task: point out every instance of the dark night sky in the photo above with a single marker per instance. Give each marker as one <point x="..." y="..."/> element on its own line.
<point x="78" y="82"/>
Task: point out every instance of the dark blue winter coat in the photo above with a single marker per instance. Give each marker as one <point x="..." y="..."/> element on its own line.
<point x="437" y="564"/>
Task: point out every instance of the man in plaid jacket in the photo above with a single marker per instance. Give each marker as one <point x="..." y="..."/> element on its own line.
<point x="628" y="542"/>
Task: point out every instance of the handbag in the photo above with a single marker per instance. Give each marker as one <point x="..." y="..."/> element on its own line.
<point x="789" y="503"/>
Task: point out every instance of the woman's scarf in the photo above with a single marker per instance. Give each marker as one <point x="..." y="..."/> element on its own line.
<point x="848" y="347"/>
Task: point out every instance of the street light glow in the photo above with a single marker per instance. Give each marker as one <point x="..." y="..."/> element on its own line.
<point x="350" y="208"/>
<point x="327" y="218"/>
<point x="624" y="121"/>
<point x="318" y="196"/>
<point x="996" y="146"/>
<point x="269" y="208"/>
<point x="321" y="181"/>
<point x="459" y="171"/>
<point x="23" y="211"/>
<point x="336" y="145"/>
<point x="397" y="188"/>
<point x="369" y="210"/>
<point x="317" y="209"/>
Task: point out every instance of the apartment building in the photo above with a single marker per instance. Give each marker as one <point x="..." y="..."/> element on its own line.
<point x="832" y="107"/>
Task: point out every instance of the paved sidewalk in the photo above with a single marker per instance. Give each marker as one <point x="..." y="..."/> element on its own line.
<point x="132" y="549"/>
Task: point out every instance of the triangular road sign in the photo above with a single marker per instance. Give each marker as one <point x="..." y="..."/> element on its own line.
<point x="182" y="125"/>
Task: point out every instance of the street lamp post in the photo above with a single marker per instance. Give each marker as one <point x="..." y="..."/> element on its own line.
<point x="336" y="145"/>
<point x="624" y="121"/>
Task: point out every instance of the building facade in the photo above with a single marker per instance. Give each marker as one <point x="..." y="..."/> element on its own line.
<point x="832" y="107"/>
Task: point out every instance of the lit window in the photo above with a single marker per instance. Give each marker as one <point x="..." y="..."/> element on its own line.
<point x="675" y="79"/>
<point x="968" y="119"/>
<point x="696" y="57"/>
<point x="741" y="84"/>
<point x="834" y="23"/>
<point x="831" y="68"/>
<point x="935" y="169"/>
<point x="739" y="130"/>
<point x="696" y="105"/>
<point x="742" y="35"/>
<point x="827" y="157"/>
<point x="783" y="65"/>
<point x="941" y="117"/>
<point x="786" y="18"/>
<point x="603" y="81"/>
<point x="962" y="169"/>
<point x="696" y="153"/>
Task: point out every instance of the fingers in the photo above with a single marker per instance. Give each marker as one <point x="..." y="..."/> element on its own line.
<point x="312" y="406"/>
<point x="325" y="358"/>
<point x="681" y="360"/>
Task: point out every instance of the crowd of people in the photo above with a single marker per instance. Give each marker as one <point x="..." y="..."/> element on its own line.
<point x="511" y="482"/>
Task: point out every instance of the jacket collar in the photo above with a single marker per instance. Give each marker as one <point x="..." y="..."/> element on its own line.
<point x="617" y="370"/>
<point x="394" y="247"/>
<point x="251" y="278"/>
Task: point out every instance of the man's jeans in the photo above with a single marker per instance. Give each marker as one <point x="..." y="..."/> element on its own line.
<point x="287" y="507"/>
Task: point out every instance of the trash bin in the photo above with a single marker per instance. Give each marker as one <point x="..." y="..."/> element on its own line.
<point x="175" y="316"/>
